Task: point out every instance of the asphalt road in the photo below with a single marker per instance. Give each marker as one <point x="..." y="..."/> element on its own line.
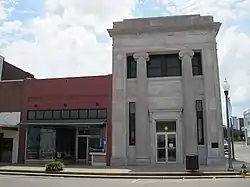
<point x="20" y="181"/>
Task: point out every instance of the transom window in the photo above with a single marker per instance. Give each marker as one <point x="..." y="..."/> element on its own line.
<point x="67" y="114"/>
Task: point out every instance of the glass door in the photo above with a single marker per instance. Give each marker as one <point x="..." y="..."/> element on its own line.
<point x="161" y="148"/>
<point x="82" y="153"/>
<point x="166" y="147"/>
<point x="171" y="147"/>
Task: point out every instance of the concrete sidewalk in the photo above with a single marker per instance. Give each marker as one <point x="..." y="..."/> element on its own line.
<point x="155" y="170"/>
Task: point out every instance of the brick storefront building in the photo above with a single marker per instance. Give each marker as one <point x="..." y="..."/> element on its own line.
<point x="68" y="118"/>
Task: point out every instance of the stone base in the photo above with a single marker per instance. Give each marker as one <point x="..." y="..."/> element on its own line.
<point x="118" y="161"/>
<point x="216" y="161"/>
<point x="142" y="161"/>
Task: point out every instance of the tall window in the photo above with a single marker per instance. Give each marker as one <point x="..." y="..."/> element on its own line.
<point x="197" y="64"/>
<point x="132" y="123"/>
<point x="131" y="67"/>
<point x="200" y="122"/>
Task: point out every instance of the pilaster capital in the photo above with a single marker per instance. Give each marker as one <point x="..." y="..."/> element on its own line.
<point x="141" y="57"/>
<point x="186" y="52"/>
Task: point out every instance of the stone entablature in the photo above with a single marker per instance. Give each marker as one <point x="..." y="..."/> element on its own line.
<point x="164" y="24"/>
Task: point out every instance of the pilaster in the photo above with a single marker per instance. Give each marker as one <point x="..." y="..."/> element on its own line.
<point x="213" y="119"/>
<point x="119" y="128"/>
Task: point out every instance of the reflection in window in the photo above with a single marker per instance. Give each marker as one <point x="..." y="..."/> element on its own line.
<point x="83" y="114"/>
<point x="92" y="113"/>
<point x="56" y="114"/>
<point x="200" y="123"/>
<point x="165" y="126"/>
<point x="40" y="143"/>
<point x="131" y="67"/>
<point x="74" y="114"/>
<point x="197" y="64"/>
<point x="48" y="114"/>
<point x="65" y="114"/>
<point x="132" y="123"/>
<point x="39" y="114"/>
<point x="102" y="113"/>
<point x="31" y="115"/>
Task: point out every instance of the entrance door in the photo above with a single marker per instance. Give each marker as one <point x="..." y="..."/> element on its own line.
<point x="82" y="153"/>
<point x="7" y="150"/>
<point x="166" y="147"/>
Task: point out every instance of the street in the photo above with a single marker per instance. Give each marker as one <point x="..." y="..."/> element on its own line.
<point x="7" y="181"/>
<point x="242" y="155"/>
<point x="242" y="152"/>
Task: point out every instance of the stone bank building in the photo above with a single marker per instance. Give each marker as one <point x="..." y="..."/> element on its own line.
<point x="165" y="91"/>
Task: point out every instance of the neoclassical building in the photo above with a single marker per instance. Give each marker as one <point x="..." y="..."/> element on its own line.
<point x="166" y="93"/>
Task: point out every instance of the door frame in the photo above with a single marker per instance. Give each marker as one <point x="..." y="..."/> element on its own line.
<point x="166" y="147"/>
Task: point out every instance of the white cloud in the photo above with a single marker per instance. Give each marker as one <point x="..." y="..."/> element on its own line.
<point x="99" y="14"/>
<point x="223" y="10"/>
<point x="63" y="44"/>
<point x="3" y="12"/>
<point x="233" y="51"/>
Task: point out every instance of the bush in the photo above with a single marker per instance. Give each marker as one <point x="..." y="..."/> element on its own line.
<point x="54" y="166"/>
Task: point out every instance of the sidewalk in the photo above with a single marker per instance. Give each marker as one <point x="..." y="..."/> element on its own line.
<point x="154" y="171"/>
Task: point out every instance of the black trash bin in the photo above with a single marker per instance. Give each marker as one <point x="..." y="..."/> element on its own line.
<point x="192" y="162"/>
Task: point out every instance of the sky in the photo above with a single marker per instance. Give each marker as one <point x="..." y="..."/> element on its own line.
<point x="58" y="38"/>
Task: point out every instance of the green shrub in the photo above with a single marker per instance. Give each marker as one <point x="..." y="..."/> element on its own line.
<point x="54" y="166"/>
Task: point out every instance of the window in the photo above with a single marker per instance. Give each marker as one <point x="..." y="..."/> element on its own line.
<point x="200" y="122"/>
<point x="154" y="66"/>
<point x="196" y="64"/>
<point x="83" y="114"/>
<point x="173" y="65"/>
<point x="39" y="114"/>
<point x="131" y="67"/>
<point x="31" y="115"/>
<point x="165" y="126"/>
<point x="164" y="65"/>
<point x="48" y="114"/>
<point x="102" y="113"/>
<point x="65" y="114"/>
<point x="132" y="123"/>
<point x="40" y="143"/>
<point x="92" y="114"/>
<point x="56" y="114"/>
<point x="74" y="114"/>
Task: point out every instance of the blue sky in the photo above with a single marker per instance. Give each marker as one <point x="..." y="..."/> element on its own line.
<point x="56" y="38"/>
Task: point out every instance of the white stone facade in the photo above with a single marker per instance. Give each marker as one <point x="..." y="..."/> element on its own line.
<point x="166" y="98"/>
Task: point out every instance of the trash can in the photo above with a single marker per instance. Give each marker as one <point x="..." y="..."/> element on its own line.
<point x="192" y="162"/>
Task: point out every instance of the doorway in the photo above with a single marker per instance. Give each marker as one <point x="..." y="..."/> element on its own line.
<point x="7" y="150"/>
<point x="166" y="147"/>
<point x="82" y="149"/>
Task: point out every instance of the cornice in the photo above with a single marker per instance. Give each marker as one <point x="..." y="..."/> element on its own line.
<point x="136" y="30"/>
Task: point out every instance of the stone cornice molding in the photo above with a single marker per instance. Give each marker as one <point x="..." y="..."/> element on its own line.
<point x="141" y="57"/>
<point x="135" y="30"/>
<point x="186" y="52"/>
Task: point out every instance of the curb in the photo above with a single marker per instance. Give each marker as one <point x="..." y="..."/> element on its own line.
<point x="118" y="176"/>
<point x="146" y="174"/>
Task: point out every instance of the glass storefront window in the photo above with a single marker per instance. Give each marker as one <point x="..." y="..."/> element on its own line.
<point x="40" y="143"/>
